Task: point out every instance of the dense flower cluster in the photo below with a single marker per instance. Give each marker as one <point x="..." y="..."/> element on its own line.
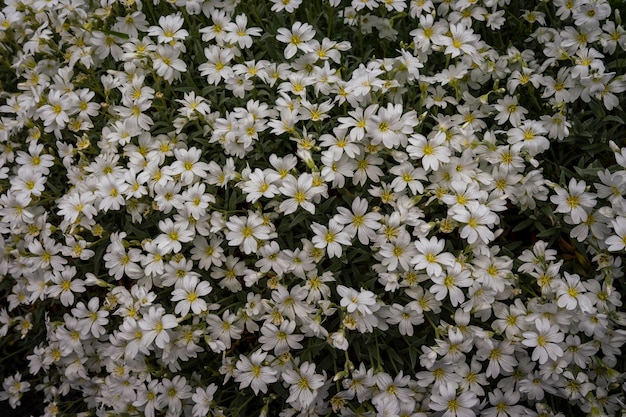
<point x="336" y="207"/>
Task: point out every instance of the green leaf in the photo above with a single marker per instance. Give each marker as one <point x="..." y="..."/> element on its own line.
<point x="524" y="224"/>
<point x="393" y="354"/>
<point x="413" y="356"/>
<point x="612" y="118"/>
<point x="299" y="218"/>
<point x="548" y="232"/>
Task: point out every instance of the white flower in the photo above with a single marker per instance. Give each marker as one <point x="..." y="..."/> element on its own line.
<point x="509" y="110"/>
<point x="238" y="32"/>
<point x="247" y="232"/>
<point x="192" y="103"/>
<point x="504" y="404"/>
<point x="28" y="183"/>
<point x="331" y="237"/>
<point x="338" y="340"/>
<point x="477" y="219"/>
<point x="296" y="38"/>
<point x="575" y="201"/>
<point x="431" y="152"/>
<point x="545" y="339"/>
<point x="367" y="167"/>
<point x="217" y="66"/>
<point x="13" y="388"/>
<point x="405" y="317"/>
<point x="202" y="399"/>
<point x="528" y="135"/>
<point x="300" y="191"/>
<point x="617" y="242"/>
<point x="408" y="175"/>
<point x="287" y="5"/>
<point x="359" y="221"/>
<point x="90" y="318"/>
<point x="431" y="256"/>
<point x="392" y="391"/>
<point x="46" y="254"/>
<point x="55" y="115"/>
<point x="65" y="285"/>
<point x="224" y="329"/>
<point x="208" y="253"/>
<point x="271" y="257"/>
<point x="280" y="339"/>
<point x="169" y="29"/>
<point x="398" y="251"/>
<point x="260" y="183"/>
<point x="291" y="303"/>
<point x="171" y="394"/>
<point x="461" y="40"/>
<point x="155" y="325"/>
<point x="121" y="262"/>
<point x="453" y="404"/>
<point x="250" y="372"/>
<point x="173" y="235"/>
<point x="570" y="294"/>
<point x="189" y="293"/>
<point x="450" y="283"/>
<point x="362" y="301"/>
<point x="35" y="159"/>
<point x="386" y="126"/>
<point x="303" y="385"/>
<point x="167" y="64"/>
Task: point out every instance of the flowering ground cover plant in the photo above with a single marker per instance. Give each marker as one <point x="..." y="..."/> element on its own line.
<point x="353" y="208"/>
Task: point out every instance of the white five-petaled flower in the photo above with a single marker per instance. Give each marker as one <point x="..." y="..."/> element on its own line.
<point x="13" y="388"/>
<point x="202" y="399"/>
<point x="300" y="190"/>
<point x="169" y="29"/>
<point x="261" y="183"/>
<point x="431" y="256"/>
<point x="460" y="41"/>
<point x="405" y="317"/>
<point x="173" y="235"/>
<point x="303" y="385"/>
<point x="171" y="394"/>
<point x="56" y="113"/>
<point x="189" y="295"/>
<point x="359" y="221"/>
<point x="187" y="165"/>
<point x="155" y="324"/>
<point x="450" y="284"/>
<point x="238" y="32"/>
<point x="251" y="372"/>
<point x="453" y="404"/>
<point x="477" y="218"/>
<point x="65" y="285"/>
<point x="397" y="252"/>
<point x="528" y="135"/>
<point x="574" y="201"/>
<point x="431" y="152"/>
<point x="192" y="103"/>
<point x="247" y="231"/>
<point x="167" y="64"/>
<point x="331" y="237"/>
<point x="282" y="338"/>
<point x="545" y="340"/>
<point x="287" y="5"/>
<point x="296" y="38"/>
<point x="91" y="318"/>
<point x="363" y="301"/>
<point x="408" y="176"/>
<point x="571" y="294"/>
<point x="617" y="242"/>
